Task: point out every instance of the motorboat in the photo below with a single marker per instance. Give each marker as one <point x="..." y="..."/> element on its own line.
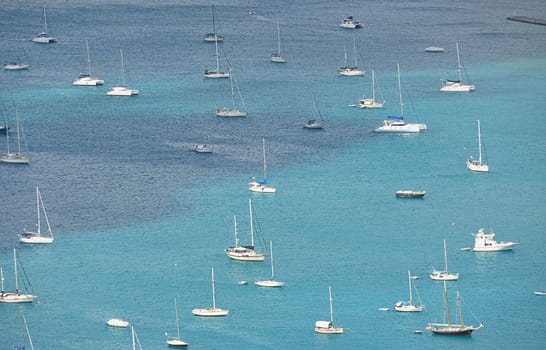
<point x="350" y="23"/>
<point x="485" y="242"/>
<point x="410" y="194"/>
<point x="117" y="322"/>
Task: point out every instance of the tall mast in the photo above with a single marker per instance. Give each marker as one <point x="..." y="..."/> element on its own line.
<point x="214" y="25"/>
<point x="18" y="137"/>
<point x="271" y="252"/>
<point x="445" y="254"/>
<point x="88" y="57"/>
<point x="38" y="209"/>
<point x="263" y="151"/>
<point x="331" y="307"/>
<point x="480" y="142"/>
<point x="400" y="91"/>
<point x="45" y="21"/>
<point x="447" y="305"/>
<point x="409" y="284"/>
<point x="458" y="62"/>
<point x="177" y="324"/>
<point x="460" y="309"/>
<point x="373" y="85"/>
<point x="45" y="215"/>
<point x="213" y="296"/>
<point x="133" y="337"/>
<point x="217" y="58"/>
<point x="354" y="51"/>
<point x="122" y="68"/>
<point x="235" y="231"/>
<point x="279" y="34"/>
<point x="231" y="83"/>
<point x="28" y="333"/>
<point x="1" y="279"/>
<point x="251" y="223"/>
<point x="15" y="271"/>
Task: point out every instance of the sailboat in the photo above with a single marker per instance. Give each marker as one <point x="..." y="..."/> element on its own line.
<point x="36" y="237"/>
<point x="351" y="71"/>
<point x="245" y="252"/>
<point x="172" y="340"/>
<point x="261" y="185"/>
<point x="85" y="79"/>
<point x="443" y="275"/>
<point x="211" y="311"/>
<point x="228" y="112"/>
<point x="122" y="90"/>
<point x="17" y="157"/>
<point x="44" y="37"/>
<point x="408" y="306"/>
<point x="371" y="102"/>
<point x="216" y="73"/>
<point x="15" y="296"/>
<point x="270" y="282"/>
<point x="327" y="327"/>
<point x="457" y="85"/>
<point x="15" y="65"/>
<point x="278" y="56"/>
<point x="478" y="165"/>
<point x="313" y="123"/>
<point x="396" y="124"/>
<point x="210" y="37"/>
<point x="452" y="328"/>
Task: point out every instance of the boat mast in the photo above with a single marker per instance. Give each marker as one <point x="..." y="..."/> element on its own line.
<point x="213" y="296"/>
<point x="133" y="337"/>
<point x="460" y="309"/>
<point x="458" y="62"/>
<point x="45" y="21"/>
<point x="409" y="284"/>
<point x="1" y="279"/>
<point x="480" y="142"/>
<point x="88" y="57"/>
<point x="45" y="216"/>
<point x="177" y="324"/>
<point x="251" y="223"/>
<point x="331" y="307"/>
<point x="235" y="231"/>
<point x="28" y="333"/>
<point x="400" y="91"/>
<point x="15" y="271"/>
<point x="272" y="267"/>
<point x="214" y="25"/>
<point x="447" y="305"/>
<point x="354" y="51"/>
<point x="218" y="59"/>
<point x="18" y="136"/>
<point x="445" y="254"/>
<point x="38" y="210"/>
<point x="231" y="83"/>
<point x="373" y="85"/>
<point x="263" y="151"/>
<point x="279" y="35"/>
<point x="345" y="52"/>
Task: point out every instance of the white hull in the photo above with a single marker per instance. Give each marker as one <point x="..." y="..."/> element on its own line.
<point x="350" y="26"/>
<point x="269" y="283"/>
<point x="176" y="343"/>
<point x="14" y="158"/>
<point x="15" y="66"/>
<point x="88" y="81"/>
<point x="329" y="330"/>
<point x="211" y="37"/>
<point x="259" y="188"/>
<point x="121" y="91"/>
<point x="485" y="242"/>
<point x="408" y="308"/>
<point x="457" y="87"/>
<point x="215" y="74"/>
<point x="230" y="113"/>
<point x="278" y="58"/>
<point x="351" y="72"/>
<point x="246" y="256"/>
<point x="434" y="49"/>
<point x="477" y="166"/>
<point x="312" y="125"/>
<point x="210" y="312"/>
<point x="35" y="239"/>
<point x="443" y="276"/>
<point x="370" y="103"/>
<point x="14" y="298"/>
<point x="498" y="248"/>
<point x="400" y="128"/>
<point x="44" y="40"/>
<point x="117" y="322"/>
<point x="202" y="149"/>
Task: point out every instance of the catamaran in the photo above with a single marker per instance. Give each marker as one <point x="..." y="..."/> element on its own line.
<point x="122" y="90"/>
<point x="85" y="79"/>
<point x="44" y="37"/>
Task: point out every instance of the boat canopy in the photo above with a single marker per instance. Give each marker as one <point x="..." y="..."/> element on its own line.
<point x="395" y="117"/>
<point x="323" y="324"/>
<point x="453" y="81"/>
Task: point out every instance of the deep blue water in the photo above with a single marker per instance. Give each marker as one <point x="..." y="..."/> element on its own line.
<point x="139" y="219"/>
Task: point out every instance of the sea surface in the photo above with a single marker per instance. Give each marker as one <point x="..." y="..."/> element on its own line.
<point x="139" y="219"/>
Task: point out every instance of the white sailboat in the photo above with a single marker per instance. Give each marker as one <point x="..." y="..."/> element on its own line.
<point x="245" y="252"/>
<point x="443" y="275"/>
<point x="85" y="79"/>
<point x="44" y="37"/>
<point x="122" y="90"/>
<point x="261" y="186"/>
<point x="278" y="57"/>
<point x="396" y="124"/>
<point x="452" y="328"/>
<point x="211" y="311"/>
<point x="270" y="282"/>
<point x="37" y="237"/>
<point x="14" y="296"/>
<point x="172" y="340"/>
<point x="408" y="306"/>
<point x="371" y="102"/>
<point x="457" y="85"/>
<point x="15" y="157"/>
<point x="216" y="73"/>
<point x="478" y="165"/>
<point x="327" y="327"/>
<point x="313" y="123"/>
<point x="15" y="65"/>
<point x="351" y="71"/>
<point x="485" y="242"/>
<point x="230" y="112"/>
<point x="213" y="37"/>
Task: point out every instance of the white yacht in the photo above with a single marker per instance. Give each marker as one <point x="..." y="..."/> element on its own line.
<point x="485" y="242"/>
<point x="457" y="85"/>
<point x="213" y="36"/>
<point x="261" y="186"/>
<point x="201" y="148"/>
<point x="347" y="70"/>
<point x="14" y="157"/>
<point x="443" y="275"/>
<point x="409" y="306"/>
<point x="371" y="102"/>
<point x="16" y="65"/>
<point x="478" y="165"/>
<point x="122" y="90"/>
<point x="278" y="57"/>
<point x="211" y="311"/>
<point x="216" y="73"/>
<point x="327" y="327"/>
<point x="270" y="282"/>
<point x="244" y="252"/>
<point x="86" y="79"/>
<point x="37" y="237"/>
<point x="350" y="23"/>
<point x="15" y="296"/>
<point x="233" y="112"/>
<point x="44" y="37"/>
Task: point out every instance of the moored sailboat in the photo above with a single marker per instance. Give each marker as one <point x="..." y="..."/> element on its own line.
<point x="122" y="90"/>
<point x="443" y="275"/>
<point x="227" y="112"/>
<point x="351" y="71"/>
<point x="175" y="341"/>
<point x="213" y="36"/>
<point x="216" y="73"/>
<point x="15" y="296"/>
<point x="457" y="85"/>
<point x="44" y="37"/>
<point x="211" y="311"/>
<point x="408" y="306"/>
<point x="270" y="282"/>
<point x="261" y="186"/>
<point x="478" y="165"/>
<point x="37" y="237"/>
<point x="86" y="79"/>
<point x="327" y="327"/>
<point x="15" y="157"/>
<point x="244" y="252"/>
<point x="278" y="57"/>
<point x="371" y="102"/>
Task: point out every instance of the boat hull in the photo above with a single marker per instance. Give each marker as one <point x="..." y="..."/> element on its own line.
<point x="210" y="312"/>
<point x="269" y="283"/>
<point x="351" y="72"/>
<point x="457" y="87"/>
<point x="176" y="343"/>
<point x="117" y="322"/>
<point x="278" y="58"/>
<point x="443" y="276"/>
<point x="329" y="330"/>
<point x="452" y="330"/>
<point x="246" y="256"/>
<point x="259" y="188"/>
<point x="476" y="166"/>
<point x="408" y="308"/>
<point x="15" y="66"/>
<point x="230" y="113"/>
<point x="35" y="239"/>
<point x="212" y="74"/>
<point x="499" y="247"/>
<point x="370" y="103"/>
<point x="15" y="298"/>
<point x="410" y="194"/>
<point x="14" y="158"/>
<point x="121" y="91"/>
<point x="88" y="82"/>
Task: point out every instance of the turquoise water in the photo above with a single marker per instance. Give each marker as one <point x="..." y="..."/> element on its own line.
<point x="139" y="219"/>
